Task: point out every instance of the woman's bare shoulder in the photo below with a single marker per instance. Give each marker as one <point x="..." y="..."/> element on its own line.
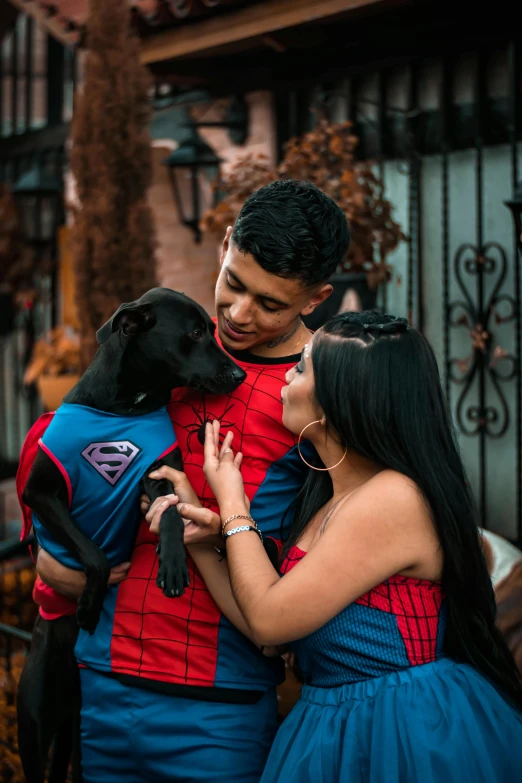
<point x="394" y="492"/>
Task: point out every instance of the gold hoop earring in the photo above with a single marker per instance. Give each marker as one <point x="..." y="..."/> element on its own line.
<point x="317" y="421"/>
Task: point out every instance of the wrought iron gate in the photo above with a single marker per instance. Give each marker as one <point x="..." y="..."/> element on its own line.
<point x="445" y="133"/>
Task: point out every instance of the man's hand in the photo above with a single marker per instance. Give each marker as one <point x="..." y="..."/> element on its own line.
<point x="68" y="581"/>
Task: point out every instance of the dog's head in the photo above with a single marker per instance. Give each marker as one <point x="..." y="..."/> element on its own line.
<point x="168" y="336"/>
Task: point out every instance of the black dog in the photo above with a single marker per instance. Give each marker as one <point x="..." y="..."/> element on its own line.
<point x="161" y="341"/>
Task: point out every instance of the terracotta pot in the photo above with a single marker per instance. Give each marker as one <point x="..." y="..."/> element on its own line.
<point x="53" y="389"/>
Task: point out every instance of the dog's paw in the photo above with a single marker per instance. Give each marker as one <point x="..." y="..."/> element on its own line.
<point x="173" y="578"/>
<point x="88" y="617"/>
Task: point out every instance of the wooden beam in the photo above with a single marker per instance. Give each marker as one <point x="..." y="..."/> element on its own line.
<point x="52" y="137"/>
<point x="250" y="22"/>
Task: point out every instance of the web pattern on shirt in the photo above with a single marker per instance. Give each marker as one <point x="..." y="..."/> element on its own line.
<point x="395" y="625"/>
<point x="416" y="605"/>
<point x="176" y="640"/>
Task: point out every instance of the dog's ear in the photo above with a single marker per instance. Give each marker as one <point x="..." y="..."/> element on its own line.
<point x="131" y="318"/>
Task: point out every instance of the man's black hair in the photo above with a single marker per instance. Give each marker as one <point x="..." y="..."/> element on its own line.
<point x="293" y="230"/>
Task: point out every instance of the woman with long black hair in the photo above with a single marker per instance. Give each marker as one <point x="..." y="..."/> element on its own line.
<point x="385" y="596"/>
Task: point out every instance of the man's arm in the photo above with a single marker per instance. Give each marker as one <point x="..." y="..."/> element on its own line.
<point x="68" y="581"/>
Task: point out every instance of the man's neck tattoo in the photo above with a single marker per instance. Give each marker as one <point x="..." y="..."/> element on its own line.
<point x="284" y="337"/>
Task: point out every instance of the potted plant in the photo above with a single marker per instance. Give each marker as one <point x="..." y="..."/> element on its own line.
<point x="326" y="157"/>
<point x="55" y="365"/>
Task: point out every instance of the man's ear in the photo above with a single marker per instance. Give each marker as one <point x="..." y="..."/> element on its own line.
<point x="131" y="318"/>
<point x="318" y="298"/>
<point x="226" y="244"/>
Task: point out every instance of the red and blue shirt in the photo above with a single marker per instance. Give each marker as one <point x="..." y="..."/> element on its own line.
<point x="186" y="641"/>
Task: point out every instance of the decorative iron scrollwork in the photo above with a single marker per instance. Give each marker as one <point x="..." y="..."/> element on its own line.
<point x="486" y="359"/>
<point x="180" y="8"/>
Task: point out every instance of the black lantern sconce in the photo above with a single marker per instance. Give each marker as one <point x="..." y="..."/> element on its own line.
<point x="38" y="195"/>
<point x="186" y="163"/>
<point x="185" y="166"/>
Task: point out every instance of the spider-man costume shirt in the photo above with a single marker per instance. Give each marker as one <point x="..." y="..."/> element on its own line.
<point x="185" y="645"/>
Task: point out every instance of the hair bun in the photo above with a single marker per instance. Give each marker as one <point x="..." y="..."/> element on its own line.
<point x="396" y="326"/>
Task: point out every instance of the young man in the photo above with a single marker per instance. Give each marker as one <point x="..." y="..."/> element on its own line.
<point x="171" y="690"/>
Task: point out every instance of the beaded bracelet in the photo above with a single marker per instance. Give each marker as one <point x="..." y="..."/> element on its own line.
<point x="243" y="529"/>
<point x="235" y="516"/>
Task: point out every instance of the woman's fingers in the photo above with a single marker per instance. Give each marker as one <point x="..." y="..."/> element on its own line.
<point x="227" y="455"/>
<point x="215" y="435"/>
<point x="216" y="429"/>
<point x="168" y="473"/>
<point x="209" y="448"/>
<point x="161" y="503"/>
<point x="152" y="508"/>
<point x="227" y="443"/>
<point x="203" y="517"/>
<point x="144" y="504"/>
<point x="202" y="523"/>
<point x="157" y="511"/>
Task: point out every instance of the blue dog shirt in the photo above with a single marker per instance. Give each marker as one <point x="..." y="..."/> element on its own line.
<point x="102" y="458"/>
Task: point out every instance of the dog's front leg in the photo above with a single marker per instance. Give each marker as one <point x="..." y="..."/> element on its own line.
<point x="46" y="494"/>
<point x="173" y="575"/>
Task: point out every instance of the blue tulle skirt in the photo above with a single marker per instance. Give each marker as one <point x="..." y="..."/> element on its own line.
<point x="437" y="723"/>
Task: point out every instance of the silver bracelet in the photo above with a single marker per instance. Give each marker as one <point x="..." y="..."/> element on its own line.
<point x="242" y="529"/>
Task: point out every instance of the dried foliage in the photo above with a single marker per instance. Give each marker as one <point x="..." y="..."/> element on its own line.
<point x="326" y="157"/>
<point x="17" y="609"/>
<point x="58" y="353"/>
<point x="245" y="176"/>
<point x="113" y="236"/>
<point x="10" y="764"/>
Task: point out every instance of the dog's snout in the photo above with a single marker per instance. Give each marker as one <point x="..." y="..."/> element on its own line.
<point x="230" y="377"/>
<point x="238" y="374"/>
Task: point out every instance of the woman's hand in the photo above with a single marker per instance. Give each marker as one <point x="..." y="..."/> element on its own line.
<point x="184" y="494"/>
<point x="183" y="489"/>
<point x="222" y="470"/>
<point x="202" y="526"/>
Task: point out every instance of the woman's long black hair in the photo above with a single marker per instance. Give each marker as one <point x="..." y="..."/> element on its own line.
<point x="377" y="382"/>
